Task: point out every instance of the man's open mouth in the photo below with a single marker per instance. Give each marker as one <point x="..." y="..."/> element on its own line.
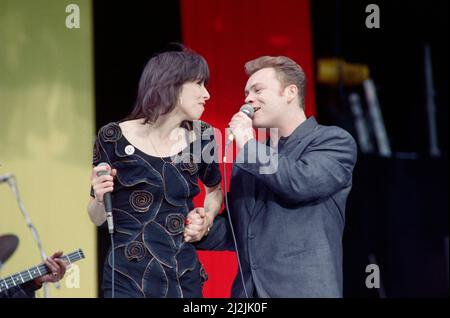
<point x="256" y="108"/>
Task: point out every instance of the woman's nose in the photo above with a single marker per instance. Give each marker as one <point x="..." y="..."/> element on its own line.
<point x="206" y="94"/>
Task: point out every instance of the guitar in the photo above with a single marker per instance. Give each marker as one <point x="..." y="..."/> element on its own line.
<point x="35" y="272"/>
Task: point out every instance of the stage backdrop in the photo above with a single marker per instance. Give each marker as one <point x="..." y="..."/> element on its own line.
<point x="229" y="33"/>
<point x="46" y="134"/>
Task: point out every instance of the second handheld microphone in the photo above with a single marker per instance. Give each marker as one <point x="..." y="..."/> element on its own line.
<point x="107" y="198"/>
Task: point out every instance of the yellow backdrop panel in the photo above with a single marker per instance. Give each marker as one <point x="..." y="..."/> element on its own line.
<point x="46" y="134"/>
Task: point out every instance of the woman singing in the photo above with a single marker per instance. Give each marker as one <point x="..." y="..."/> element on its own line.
<point x="156" y="155"/>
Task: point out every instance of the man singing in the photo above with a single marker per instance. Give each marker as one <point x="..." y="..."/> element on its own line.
<point x="288" y="221"/>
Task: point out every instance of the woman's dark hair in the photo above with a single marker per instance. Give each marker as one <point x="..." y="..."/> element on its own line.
<point x="161" y="81"/>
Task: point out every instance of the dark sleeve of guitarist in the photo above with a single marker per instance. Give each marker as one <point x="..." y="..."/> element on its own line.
<point x="57" y="268"/>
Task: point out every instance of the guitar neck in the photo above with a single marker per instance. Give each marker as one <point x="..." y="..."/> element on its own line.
<point x="35" y="272"/>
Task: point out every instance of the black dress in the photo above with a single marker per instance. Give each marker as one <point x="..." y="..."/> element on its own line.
<point x="151" y="199"/>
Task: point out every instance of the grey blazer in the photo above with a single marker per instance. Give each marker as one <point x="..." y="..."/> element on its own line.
<point x="289" y="223"/>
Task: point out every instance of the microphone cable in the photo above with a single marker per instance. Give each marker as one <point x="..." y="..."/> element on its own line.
<point x="112" y="265"/>
<point x="229" y="215"/>
<point x="109" y="219"/>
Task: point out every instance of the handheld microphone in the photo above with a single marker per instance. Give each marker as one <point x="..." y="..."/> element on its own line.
<point x="249" y="111"/>
<point x="107" y="199"/>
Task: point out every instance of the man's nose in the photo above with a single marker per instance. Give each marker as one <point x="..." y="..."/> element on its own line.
<point x="249" y="99"/>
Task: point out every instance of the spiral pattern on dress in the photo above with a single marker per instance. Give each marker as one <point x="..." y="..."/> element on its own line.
<point x="175" y="223"/>
<point x="141" y="201"/>
<point x="111" y="132"/>
<point x="188" y="164"/>
<point x="135" y="251"/>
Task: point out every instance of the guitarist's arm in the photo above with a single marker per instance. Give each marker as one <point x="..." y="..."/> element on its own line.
<point x="57" y="268"/>
<point x="22" y="291"/>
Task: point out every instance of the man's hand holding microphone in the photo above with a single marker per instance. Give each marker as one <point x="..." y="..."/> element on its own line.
<point x="241" y="126"/>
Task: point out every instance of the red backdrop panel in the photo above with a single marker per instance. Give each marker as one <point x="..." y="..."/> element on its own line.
<point x="229" y="33"/>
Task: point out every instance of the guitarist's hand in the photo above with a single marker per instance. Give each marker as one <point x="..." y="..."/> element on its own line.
<point x="57" y="268"/>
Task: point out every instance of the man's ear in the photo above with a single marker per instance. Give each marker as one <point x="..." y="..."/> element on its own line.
<point x="291" y="92"/>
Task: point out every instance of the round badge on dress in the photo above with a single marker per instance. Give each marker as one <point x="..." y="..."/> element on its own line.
<point x="129" y="150"/>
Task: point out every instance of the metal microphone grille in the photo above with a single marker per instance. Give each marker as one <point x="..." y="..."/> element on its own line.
<point x="248" y="110"/>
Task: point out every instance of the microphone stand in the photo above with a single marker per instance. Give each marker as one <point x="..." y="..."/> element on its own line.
<point x="13" y="185"/>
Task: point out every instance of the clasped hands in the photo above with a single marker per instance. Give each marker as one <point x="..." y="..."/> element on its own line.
<point x="197" y="225"/>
